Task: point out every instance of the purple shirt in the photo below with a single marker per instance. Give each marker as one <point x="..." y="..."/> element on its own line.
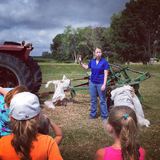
<point x="97" y="70"/>
<point x="115" y="154"/>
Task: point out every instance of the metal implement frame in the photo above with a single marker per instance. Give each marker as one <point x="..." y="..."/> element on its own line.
<point x="117" y="77"/>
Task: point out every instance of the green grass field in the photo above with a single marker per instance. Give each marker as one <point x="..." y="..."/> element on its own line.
<point x="82" y="137"/>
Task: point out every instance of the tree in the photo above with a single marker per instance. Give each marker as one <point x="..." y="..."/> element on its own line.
<point x="72" y="42"/>
<point x="46" y="54"/>
<point x="136" y="30"/>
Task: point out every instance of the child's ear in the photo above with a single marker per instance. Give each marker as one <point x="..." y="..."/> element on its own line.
<point x="110" y="129"/>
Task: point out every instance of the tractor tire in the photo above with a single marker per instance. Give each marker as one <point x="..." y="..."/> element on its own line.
<point x="14" y="72"/>
<point x="36" y="74"/>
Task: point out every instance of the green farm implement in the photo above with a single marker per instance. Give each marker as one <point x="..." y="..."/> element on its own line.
<point x="118" y="76"/>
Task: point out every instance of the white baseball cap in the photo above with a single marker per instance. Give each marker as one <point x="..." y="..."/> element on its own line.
<point x="24" y="105"/>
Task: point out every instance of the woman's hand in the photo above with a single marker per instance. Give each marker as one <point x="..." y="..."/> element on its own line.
<point x="103" y="87"/>
<point x="80" y="59"/>
<point x="85" y="66"/>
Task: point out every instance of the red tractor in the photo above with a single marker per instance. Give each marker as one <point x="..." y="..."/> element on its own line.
<point x="17" y="67"/>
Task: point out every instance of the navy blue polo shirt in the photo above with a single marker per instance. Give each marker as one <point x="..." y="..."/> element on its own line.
<point x="97" y="70"/>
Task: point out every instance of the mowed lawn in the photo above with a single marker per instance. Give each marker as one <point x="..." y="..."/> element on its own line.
<point x="82" y="136"/>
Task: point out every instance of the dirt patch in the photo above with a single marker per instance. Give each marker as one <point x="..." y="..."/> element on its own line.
<point x="83" y="136"/>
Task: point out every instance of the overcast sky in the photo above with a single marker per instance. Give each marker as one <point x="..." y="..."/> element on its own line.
<point x="38" y="21"/>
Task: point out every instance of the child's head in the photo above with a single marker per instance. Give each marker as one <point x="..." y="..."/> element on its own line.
<point x="13" y="92"/>
<point x="122" y="124"/>
<point x="24" y="106"/>
<point x="121" y="117"/>
<point x="24" y="111"/>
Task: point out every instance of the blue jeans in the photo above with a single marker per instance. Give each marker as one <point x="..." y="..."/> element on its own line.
<point x="95" y="90"/>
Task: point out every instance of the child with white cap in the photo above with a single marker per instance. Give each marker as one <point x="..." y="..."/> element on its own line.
<point x="44" y="123"/>
<point x="25" y="143"/>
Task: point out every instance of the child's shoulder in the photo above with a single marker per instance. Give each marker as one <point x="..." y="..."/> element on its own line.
<point x="100" y="154"/>
<point x="142" y="152"/>
<point x="109" y="152"/>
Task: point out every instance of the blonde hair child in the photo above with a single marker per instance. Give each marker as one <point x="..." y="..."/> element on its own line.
<point x="122" y="126"/>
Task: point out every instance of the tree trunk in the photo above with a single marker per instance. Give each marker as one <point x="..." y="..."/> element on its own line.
<point x="75" y="57"/>
<point x="149" y="44"/>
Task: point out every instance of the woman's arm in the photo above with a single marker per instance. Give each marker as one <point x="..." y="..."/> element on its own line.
<point x="85" y="66"/>
<point x="105" y="80"/>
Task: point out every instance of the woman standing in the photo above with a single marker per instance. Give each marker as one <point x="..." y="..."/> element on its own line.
<point x="98" y="80"/>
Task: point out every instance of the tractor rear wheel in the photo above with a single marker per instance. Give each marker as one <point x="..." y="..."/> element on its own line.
<point x="36" y="74"/>
<point x="14" y="72"/>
